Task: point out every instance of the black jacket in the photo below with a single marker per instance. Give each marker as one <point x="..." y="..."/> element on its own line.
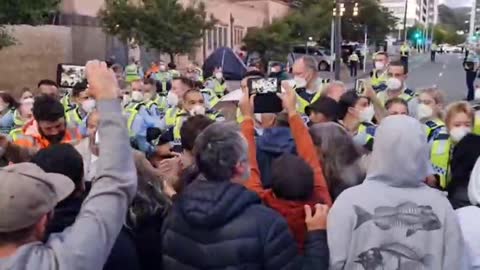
<point x="123" y="254"/>
<point x="222" y="225"/>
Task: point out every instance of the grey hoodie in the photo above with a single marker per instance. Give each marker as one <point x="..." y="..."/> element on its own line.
<point x="87" y="243"/>
<point x="393" y="220"/>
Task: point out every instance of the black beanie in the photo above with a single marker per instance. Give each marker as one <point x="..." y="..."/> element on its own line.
<point x="292" y="178"/>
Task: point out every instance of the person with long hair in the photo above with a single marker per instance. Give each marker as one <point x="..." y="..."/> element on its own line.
<point x="8" y="105"/>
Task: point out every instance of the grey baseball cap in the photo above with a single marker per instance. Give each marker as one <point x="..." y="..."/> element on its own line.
<point x="27" y="193"/>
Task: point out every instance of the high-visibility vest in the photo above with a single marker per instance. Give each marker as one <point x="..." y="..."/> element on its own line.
<point x="174" y="73"/>
<point x="163" y="77"/>
<point x="131" y="73"/>
<point x="302" y="103"/>
<point x="131" y="112"/>
<point x="353" y="58"/>
<point x="404" y="50"/>
<point x="17" y="119"/>
<point x="476" y="125"/>
<point x="368" y="129"/>
<point x="440" y="158"/>
<point x="200" y="74"/>
<point x="73" y="117"/>
<point x="72" y="136"/>
<point x="407" y="95"/>
<point x="67" y="104"/>
<point x="378" y="81"/>
<point x="212" y="97"/>
<point x="160" y="101"/>
<point x="180" y="117"/>
<point x="219" y="87"/>
<point x="14" y="133"/>
<point x="433" y="127"/>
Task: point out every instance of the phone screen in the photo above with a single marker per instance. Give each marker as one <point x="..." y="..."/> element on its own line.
<point x="69" y="75"/>
<point x="265" y="91"/>
<point x="360" y="87"/>
<point x="261" y="86"/>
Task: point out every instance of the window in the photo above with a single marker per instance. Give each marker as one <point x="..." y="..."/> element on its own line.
<point x="225" y="36"/>
<point x="215" y="40"/>
<point x="220" y="37"/>
<point x="209" y="39"/>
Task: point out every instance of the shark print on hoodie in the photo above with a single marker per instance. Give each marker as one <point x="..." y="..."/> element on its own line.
<point x="393" y="220"/>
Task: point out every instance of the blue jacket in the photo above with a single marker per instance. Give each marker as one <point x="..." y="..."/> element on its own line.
<point x="222" y="225"/>
<point x="272" y="144"/>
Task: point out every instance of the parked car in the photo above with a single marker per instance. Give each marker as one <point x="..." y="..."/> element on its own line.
<point x="324" y="60"/>
<point x="452" y="49"/>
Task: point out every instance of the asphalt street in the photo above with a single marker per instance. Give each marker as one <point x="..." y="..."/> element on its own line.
<point x="446" y="74"/>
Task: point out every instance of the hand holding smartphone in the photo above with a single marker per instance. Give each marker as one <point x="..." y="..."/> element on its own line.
<point x="265" y="91"/>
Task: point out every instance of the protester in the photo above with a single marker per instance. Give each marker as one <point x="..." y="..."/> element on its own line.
<point x="335" y="90"/>
<point x="430" y="106"/>
<point x="172" y="69"/>
<point x="154" y="68"/>
<point x="88" y="242"/>
<point x="26" y="94"/>
<point x="468" y="219"/>
<point x="341" y="159"/>
<point x="8" y="107"/>
<point x="393" y="214"/>
<point x="50" y="88"/>
<point x="23" y="114"/>
<point x="459" y="120"/>
<point x="464" y="156"/>
<point x="278" y="71"/>
<point x="323" y="110"/>
<point x="217" y="215"/>
<point x="396" y="106"/>
<point x="308" y="83"/>
<point x="356" y="114"/>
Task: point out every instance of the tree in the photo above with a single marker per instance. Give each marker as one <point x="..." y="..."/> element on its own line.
<point x="164" y="25"/>
<point x="33" y="12"/>
<point x="6" y="38"/>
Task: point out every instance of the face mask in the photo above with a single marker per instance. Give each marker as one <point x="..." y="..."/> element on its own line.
<point x="162" y="68"/>
<point x="147" y="96"/>
<point x="458" y="133"/>
<point x="379" y="65"/>
<point x="97" y="138"/>
<point x="54" y="139"/>
<point x="137" y="96"/>
<point x="88" y="105"/>
<point x="393" y="84"/>
<point x="219" y="75"/>
<point x="300" y="82"/>
<point x="197" y="110"/>
<point x="172" y="99"/>
<point x="367" y="114"/>
<point x="424" y="111"/>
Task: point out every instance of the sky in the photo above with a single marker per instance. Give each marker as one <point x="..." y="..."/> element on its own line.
<point x="456" y="3"/>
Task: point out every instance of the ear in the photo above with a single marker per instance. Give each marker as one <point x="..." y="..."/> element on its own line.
<point x="41" y="227"/>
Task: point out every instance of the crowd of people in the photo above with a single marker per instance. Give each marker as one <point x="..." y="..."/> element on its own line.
<point x="144" y="170"/>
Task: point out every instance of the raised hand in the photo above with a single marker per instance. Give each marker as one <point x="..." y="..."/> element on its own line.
<point x="317" y="221"/>
<point x="102" y="83"/>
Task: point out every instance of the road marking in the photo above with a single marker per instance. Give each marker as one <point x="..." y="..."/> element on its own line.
<point x="440" y="74"/>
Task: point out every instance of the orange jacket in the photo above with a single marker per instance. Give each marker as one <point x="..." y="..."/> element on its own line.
<point x="152" y="70"/>
<point x="292" y="211"/>
<point x="31" y="137"/>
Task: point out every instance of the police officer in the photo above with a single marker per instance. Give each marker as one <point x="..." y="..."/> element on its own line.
<point x="396" y="87"/>
<point x="82" y="105"/>
<point x="193" y="103"/>
<point x="404" y="54"/>
<point x="172" y="69"/>
<point x="356" y="114"/>
<point x="471" y="65"/>
<point x="308" y="84"/>
<point x="433" y="52"/>
<point x="353" y="60"/>
<point x="132" y="71"/>
<point x="217" y="83"/>
<point x="430" y="107"/>
<point x="378" y="76"/>
<point x="155" y="103"/>
<point x="164" y="77"/>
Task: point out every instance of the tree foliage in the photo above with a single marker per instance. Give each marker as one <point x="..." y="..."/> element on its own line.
<point x="6" y="38"/>
<point x="33" y="12"/>
<point x="312" y="18"/>
<point x="164" y="25"/>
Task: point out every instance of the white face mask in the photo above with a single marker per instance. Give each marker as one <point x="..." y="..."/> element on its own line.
<point x="379" y="65"/>
<point x="394" y="84"/>
<point x="197" y="110"/>
<point x="219" y="75"/>
<point x="88" y="105"/>
<point x="162" y="68"/>
<point x="367" y="114"/>
<point x="172" y="99"/>
<point x="300" y="82"/>
<point x="137" y="96"/>
<point x="424" y="111"/>
<point x="458" y="133"/>
<point x="147" y="96"/>
<point x="126" y="99"/>
<point x="97" y="138"/>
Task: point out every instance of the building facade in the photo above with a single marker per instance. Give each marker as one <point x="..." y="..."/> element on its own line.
<point x="234" y="18"/>
<point x="423" y="12"/>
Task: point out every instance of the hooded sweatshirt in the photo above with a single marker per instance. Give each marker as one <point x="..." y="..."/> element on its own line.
<point x="469" y="221"/>
<point x="273" y="143"/>
<point x="393" y="220"/>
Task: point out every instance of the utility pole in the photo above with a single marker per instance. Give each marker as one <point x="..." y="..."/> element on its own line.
<point x="405" y="21"/>
<point x="338" y="38"/>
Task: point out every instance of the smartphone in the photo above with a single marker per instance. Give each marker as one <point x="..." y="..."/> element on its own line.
<point x="265" y="91"/>
<point x="68" y="75"/>
<point x="360" y="87"/>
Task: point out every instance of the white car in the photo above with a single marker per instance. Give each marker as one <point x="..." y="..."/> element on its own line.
<point x="452" y="49"/>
